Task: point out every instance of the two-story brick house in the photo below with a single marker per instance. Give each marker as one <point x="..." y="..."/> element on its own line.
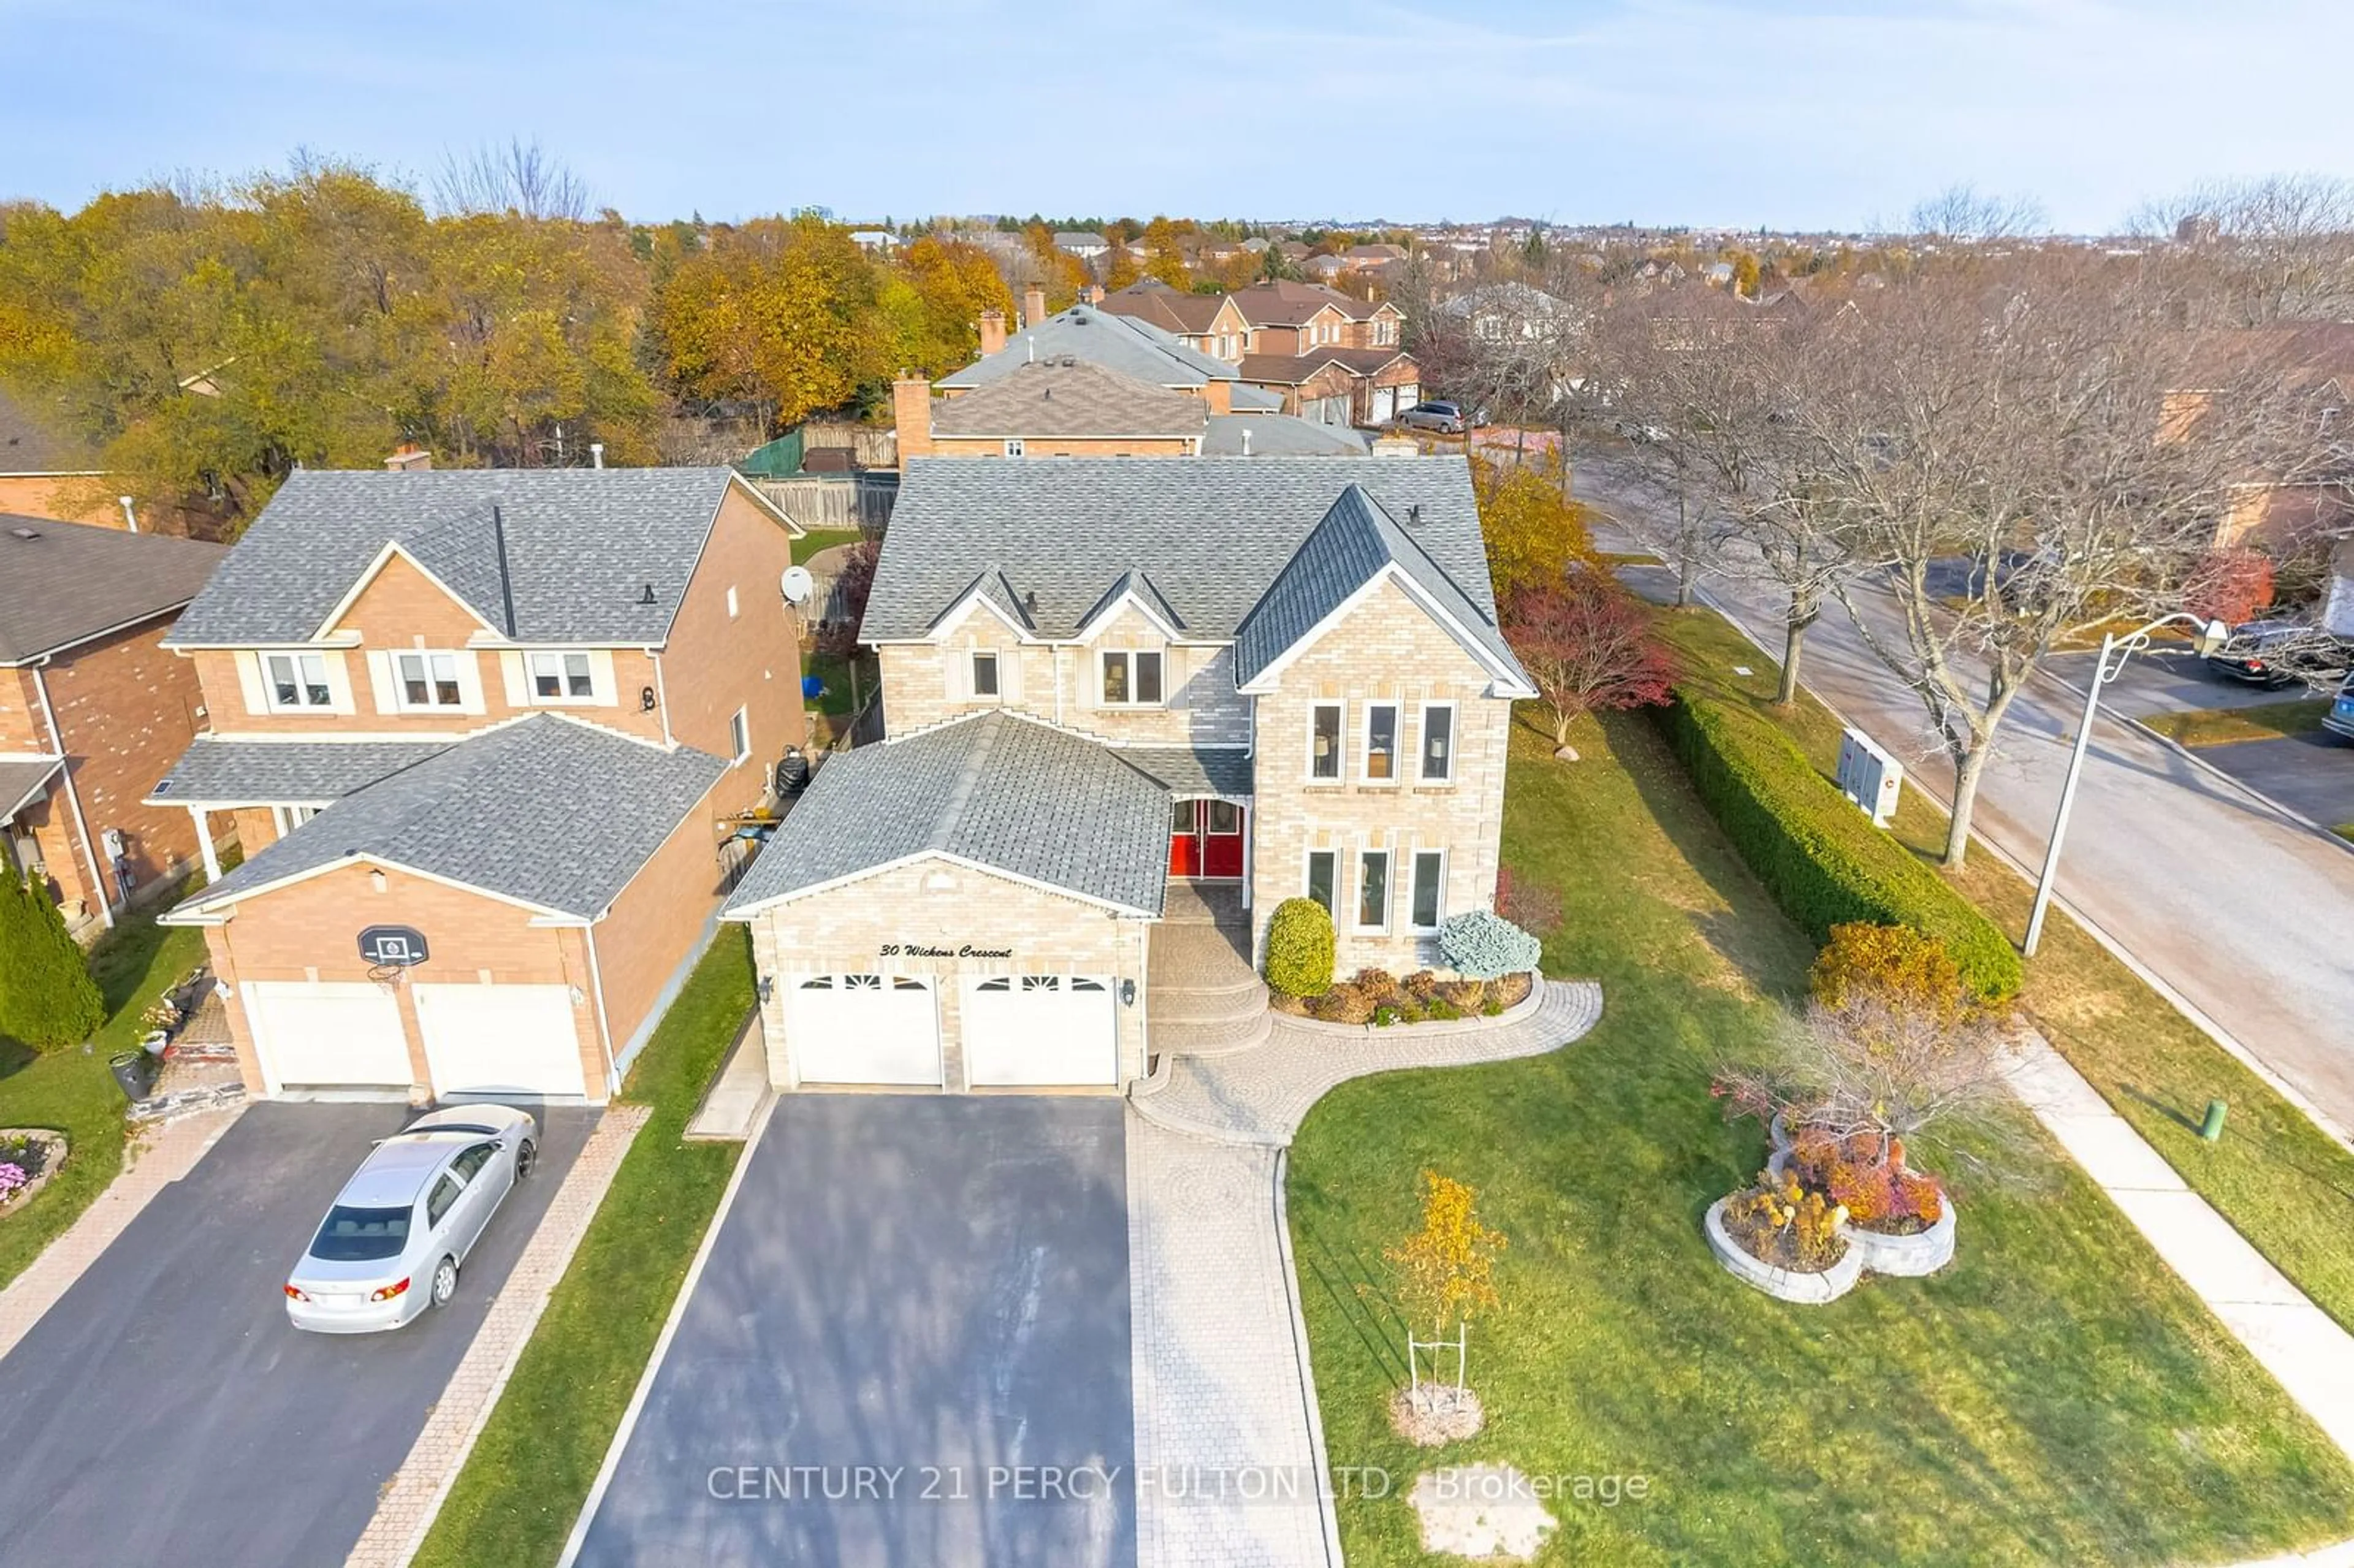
<point x="1278" y="676"/>
<point x="485" y="736"/>
<point x="92" y="708"/>
<point x="1331" y="357"/>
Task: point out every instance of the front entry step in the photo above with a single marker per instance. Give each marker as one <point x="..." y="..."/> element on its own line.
<point x="1212" y="1036"/>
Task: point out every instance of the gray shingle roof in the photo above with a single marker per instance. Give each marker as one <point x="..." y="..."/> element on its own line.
<point x="490" y="812"/>
<point x="29" y="441"/>
<point x="1279" y="435"/>
<point x="217" y="772"/>
<point x="1213" y="532"/>
<point x="1115" y="342"/>
<point x="995" y="789"/>
<point x="21" y="778"/>
<point x="1192" y="770"/>
<point x="1068" y="397"/>
<point x="1355" y="540"/>
<point x="1249" y="399"/>
<point x="61" y="582"/>
<point x="582" y="546"/>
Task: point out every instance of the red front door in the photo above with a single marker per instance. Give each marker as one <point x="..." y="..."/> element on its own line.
<point x="1222" y="838"/>
<point x="1185" y="839"/>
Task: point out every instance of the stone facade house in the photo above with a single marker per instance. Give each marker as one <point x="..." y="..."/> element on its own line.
<point x="1110" y="688"/>
<point x="490" y="739"/>
<point x="93" y="709"/>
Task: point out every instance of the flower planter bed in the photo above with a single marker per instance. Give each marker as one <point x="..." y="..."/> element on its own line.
<point x="1806" y="1288"/>
<point x="1374" y="999"/>
<point x="1904" y="1253"/>
<point x="1526" y="990"/>
<point x="40" y="1160"/>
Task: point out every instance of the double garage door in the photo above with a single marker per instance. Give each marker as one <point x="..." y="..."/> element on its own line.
<point x="1019" y="1031"/>
<point x="479" y="1039"/>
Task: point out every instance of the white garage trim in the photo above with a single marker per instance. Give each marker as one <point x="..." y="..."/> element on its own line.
<point x="1040" y="1031"/>
<point x="500" y="1040"/>
<point x="327" y="1034"/>
<point x="862" y="1029"/>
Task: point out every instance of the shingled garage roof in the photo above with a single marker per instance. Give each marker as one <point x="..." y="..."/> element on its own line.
<point x="1279" y="435"/>
<point x="994" y="791"/>
<point x="582" y="547"/>
<point x="1116" y="343"/>
<point x="1071" y="398"/>
<point x="61" y="583"/>
<point x="1357" y="541"/>
<point x="496" y="813"/>
<point x="224" y="773"/>
<point x="1212" y="533"/>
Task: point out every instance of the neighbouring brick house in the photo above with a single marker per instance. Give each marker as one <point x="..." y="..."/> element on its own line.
<point x="1331" y="358"/>
<point x="1287" y="317"/>
<point x="1067" y="406"/>
<point x="488" y="738"/>
<point x="44" y="474"/>
<point x="1207" y="323"/>
<point x="93" y="709"/>
<point x="1273" y="677"/>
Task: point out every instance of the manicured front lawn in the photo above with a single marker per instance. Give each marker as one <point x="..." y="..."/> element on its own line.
<point x="71" y="1090"/>
<point x="530" y="1471"/>
<point x="2220" y="726"/>
<point x="2281" y="1181"/>
<point x="2056" y="1395"/>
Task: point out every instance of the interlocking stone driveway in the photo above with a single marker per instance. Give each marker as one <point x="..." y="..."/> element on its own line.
<point x="161" y="1410"/>
<point x="916" y="1312"/>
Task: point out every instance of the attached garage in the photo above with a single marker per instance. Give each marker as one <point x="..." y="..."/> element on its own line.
<point x="873" y="1029"/>
<point x="1385" y="404"/>
<point x="500" y="1040"/>
<point x="328" y="1034"/>
<point x="1041" y="1031"/>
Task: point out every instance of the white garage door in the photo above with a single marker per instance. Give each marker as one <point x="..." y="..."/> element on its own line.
<point x="501" y="1039"/>
<point x="1040" y="1030"/>
<point x="862" y="1029"/>
<point x="1384" y="405"/>
<point x="327" y="1034"/>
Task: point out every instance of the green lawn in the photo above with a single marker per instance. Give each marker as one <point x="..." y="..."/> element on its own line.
<point x="72" y="1092"/>
<point x="2056" y="1395"/>
<point x="2280" y="1180"/>
<point x="817" y="539"/>
<point x="530" y="1471"/>
<point x="836" y="673"/>
<point x="2222" y="726"/>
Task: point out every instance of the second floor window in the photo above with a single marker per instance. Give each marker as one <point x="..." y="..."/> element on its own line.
<point x="557" y="677"/>
<point x="1132" y="679"/>
<point x="429" y="680"/>
<point x="1439" y="742"/>
<point x="297" y="680"/>
<point x="1380" y="742"/>
<point x="985" y="675"/>
<point x="1013" y="446"/>
<point x="1324" y="741"/>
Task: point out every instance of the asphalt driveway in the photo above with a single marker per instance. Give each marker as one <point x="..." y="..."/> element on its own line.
<point x="909" y="1346"/>
<point x="2311" y="774"/>
<point x="165" y="1412"/>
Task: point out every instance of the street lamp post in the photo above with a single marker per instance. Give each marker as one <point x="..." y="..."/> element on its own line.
<point x="2115" y="650"/>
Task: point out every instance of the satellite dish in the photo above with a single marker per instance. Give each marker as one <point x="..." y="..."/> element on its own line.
<point x="798" y="585"/>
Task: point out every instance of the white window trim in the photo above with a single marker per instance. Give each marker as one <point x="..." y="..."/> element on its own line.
<point x="1422" y="743"/>
<point x="1104" y="656"/>
<point x="1413" y="859"/>
<point x="270" y="685"/>
<point x="1339" y="745"/>
<point x="740" y="722"/>
<point x="1308" y="877"/>
<point x="564" y="678"/>
<point x="1365" y="741"/>
<point x="974" y="656"/>
<point x="400" y="700"/>
<point x="283" y="818"/>
<point x="1389" y="891"/>
<point x="1012" y="446"/>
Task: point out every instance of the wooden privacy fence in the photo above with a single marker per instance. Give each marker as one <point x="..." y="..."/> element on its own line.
<point x="834" y="501"/>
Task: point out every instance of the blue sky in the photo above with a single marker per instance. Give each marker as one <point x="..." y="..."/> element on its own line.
<point x="1801" y="113"/>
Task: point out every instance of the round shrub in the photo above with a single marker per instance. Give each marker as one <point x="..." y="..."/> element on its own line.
<point x="1485" y="945"/>
<point x="1908" y="967"/>
<point x="1299" y="948"/>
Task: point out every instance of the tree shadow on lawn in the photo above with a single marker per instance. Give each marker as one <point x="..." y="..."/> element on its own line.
<point x="15" y="1057"/>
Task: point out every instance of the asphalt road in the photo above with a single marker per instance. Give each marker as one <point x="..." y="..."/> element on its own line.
<point x="165" y="1412"/>
<point x="2244" y="912"/>
<point x="2312" y="775"/>
<point x="915" y="1310"/>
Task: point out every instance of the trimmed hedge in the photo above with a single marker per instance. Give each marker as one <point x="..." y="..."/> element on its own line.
<point x="1820" y="857"/>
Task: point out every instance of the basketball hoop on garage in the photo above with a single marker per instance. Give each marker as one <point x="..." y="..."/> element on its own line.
<point x="389" y="950"/>
<point x="386" y="976"/>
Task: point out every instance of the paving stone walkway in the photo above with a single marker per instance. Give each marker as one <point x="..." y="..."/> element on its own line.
<point x="154" y="1161"/>
<point x="1230" y="1452"/>
<point x="1258" y="1096"/>
<point x="406" y="1508"/>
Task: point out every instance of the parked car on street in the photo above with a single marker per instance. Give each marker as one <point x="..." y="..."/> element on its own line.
<point x="2283" y="653"/>
<point x="2340" y="719"/>
<point x="1446" y="418"/>
<point x="398" y="1233"/>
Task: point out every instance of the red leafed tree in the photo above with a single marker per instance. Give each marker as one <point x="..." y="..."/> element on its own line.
<point x="838" y="635"/>
<point x="2230" y="586"/>
<point x="1588" y="645"/>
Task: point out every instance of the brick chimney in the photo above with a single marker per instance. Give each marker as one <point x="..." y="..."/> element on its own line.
<point x="409" y="458"/>
<point x="992" y="332"/>
<point x="1092" y="293"/>
<point x="911" y="410"/>
<point x="1219" y="395"/>
<point x="1034" y="305"/>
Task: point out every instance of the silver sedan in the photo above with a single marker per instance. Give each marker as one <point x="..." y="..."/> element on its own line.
<point x="392" y="1245"/>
